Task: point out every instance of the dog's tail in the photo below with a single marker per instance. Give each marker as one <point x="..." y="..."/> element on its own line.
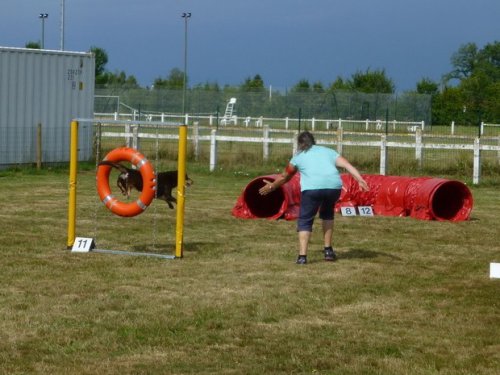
<point x="118" y="166"/>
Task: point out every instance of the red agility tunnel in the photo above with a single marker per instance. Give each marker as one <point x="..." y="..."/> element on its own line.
<point x="422" y="198"/>
<point x="281" y="203"/>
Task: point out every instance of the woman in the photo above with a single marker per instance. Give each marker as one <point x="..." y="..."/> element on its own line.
<point x="320" y="186"/>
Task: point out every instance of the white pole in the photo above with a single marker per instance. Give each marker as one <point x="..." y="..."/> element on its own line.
<point x="265" y="143"/>
<point x="477" y="162"/>
<point x="196" y="140"/>
<point x="213" y="150"/>
<point x="340" y="139"/>
<point x="418" y="146"/>
<point x="383" y="155"/>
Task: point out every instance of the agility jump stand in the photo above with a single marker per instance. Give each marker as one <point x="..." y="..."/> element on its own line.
<point x="84" y="244"/>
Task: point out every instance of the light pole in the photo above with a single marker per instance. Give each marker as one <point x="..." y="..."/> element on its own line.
<point x="62" y="26"/>
<point x="43" y="16"/>
<point x="186" y="16"/>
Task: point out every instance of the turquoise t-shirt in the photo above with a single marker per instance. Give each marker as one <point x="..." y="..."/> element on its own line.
<point x="317" y="168"/>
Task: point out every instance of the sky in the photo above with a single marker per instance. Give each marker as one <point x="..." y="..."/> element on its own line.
<point x="284" y="41"/>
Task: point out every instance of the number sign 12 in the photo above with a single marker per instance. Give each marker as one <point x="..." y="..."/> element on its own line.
<point x="365" y="211"/>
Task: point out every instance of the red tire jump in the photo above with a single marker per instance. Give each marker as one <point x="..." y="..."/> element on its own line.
<point x="148" y="186"/>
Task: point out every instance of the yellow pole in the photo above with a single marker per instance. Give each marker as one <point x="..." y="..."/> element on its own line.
<point x="73" y="163"/>
<point x="181" y="181"/>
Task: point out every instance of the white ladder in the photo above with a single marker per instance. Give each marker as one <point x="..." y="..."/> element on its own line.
<point x="228" y="115"/>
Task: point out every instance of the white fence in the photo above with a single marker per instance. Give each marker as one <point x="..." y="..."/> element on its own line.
<point x="258" y="122"/>
<point x="132" y="135"/>
<point x="286" y="123"/>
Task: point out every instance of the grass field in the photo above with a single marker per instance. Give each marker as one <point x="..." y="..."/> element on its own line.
<point x="405" y="297"/>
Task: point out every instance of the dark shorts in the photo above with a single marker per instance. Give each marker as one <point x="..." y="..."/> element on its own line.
<point x="312" y="201"/>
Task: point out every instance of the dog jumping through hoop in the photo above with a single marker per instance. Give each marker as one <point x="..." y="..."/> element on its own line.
<point x="130" y="179"/>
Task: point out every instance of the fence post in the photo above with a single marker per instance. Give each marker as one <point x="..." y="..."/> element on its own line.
<point x="127" y="135"/>
<point x="482" y="128"/>
<point x="313" y="123"/>
<point x="367" y="124"/>
<point x="340" y="138"/>
<point x="423" y="125"/>
<point x="186" y="119"/>
<point x="294" y="142"/>
<point x="286" y="123"/>
<point x="39" y="146"/>
<point x="498" y="152"/>
<point x="476" y="172"/>
<point x="196" y="139"/>
<point x="115" y="116"/>
<point x="452" y="127"/>
<point x="383" y="154"/>
<point x="135" y="137"/>
<point x="418" y="146"/>
<point x="213" y="150"/>
<point x="265" y="143"/>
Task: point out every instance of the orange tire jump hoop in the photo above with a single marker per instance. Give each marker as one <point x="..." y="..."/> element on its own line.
<point x="148" y="182"/>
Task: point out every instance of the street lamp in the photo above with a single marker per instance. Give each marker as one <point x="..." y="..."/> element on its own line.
<point x="43" y="16"/>
<point x="62" y="26"/>
<point x="185" y="16"/>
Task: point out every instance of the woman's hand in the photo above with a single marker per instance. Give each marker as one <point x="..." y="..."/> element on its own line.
<point x="267" y="188"/>
<point x="363" y="185"/>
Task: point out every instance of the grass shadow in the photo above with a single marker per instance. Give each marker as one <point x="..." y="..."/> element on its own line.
<point x="170" y="247"/>
<point x="364" y="254"/>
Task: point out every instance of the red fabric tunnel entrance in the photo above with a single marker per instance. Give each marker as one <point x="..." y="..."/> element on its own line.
<point x="422" y="198"/>
<point x="281" y="203"/>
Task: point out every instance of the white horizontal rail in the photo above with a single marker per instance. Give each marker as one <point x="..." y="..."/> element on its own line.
<point x="131" y="133"/>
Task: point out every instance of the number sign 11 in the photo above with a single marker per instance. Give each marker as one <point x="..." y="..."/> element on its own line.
<point x="83" y="245"/>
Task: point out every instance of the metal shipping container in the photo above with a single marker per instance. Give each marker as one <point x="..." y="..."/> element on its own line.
<point x="49" y="88"/>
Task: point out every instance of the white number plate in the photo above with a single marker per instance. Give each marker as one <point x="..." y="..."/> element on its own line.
<point x="83" y="245"/>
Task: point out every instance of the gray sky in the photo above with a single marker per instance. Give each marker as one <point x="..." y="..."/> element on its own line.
<point x="282" y="40"/>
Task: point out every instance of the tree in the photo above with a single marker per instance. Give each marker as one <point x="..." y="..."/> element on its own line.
<point x="301" y="86"/>
<point x="318" y="87"/>
<point x="33" y="45"/>
<point x="463" y="62"/>
<point x="478" y="72"/>
<point x="448" y="106"/>
<point x="101" y="59"/>
<point x="174" y="81"/>
<point x="253" y="84"/>
<point x="339" y="84"/>
<point x="119" y="79"/>
<point x="371" y="82"/>
<point x="427" y="86"/>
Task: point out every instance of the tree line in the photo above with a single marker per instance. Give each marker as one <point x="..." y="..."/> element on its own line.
<point x="468" y="94"/>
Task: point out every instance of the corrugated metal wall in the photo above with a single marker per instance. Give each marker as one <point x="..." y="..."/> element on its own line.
<point x="49" y="88"/>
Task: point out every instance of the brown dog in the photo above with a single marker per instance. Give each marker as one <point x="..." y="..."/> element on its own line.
<point x="129" y="179"/>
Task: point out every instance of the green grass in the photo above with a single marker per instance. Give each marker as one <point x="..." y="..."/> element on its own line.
<point x="405" y="297"/>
